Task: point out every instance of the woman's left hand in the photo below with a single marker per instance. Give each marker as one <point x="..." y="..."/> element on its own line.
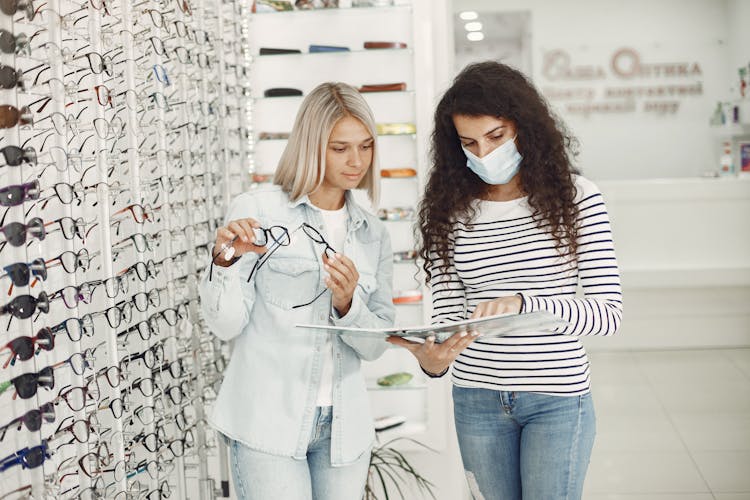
<point x="341" y="280"/>
<point x="503" y="305"/>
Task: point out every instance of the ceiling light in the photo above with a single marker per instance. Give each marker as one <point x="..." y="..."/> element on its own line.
<point x="473" y="26"/>
<point x="475" y="36"/>
<point x="468" y="15"/>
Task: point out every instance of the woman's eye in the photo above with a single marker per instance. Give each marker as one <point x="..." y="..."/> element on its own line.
<point x="339" y="150"/>
<point x="368" y="146"/>
<point x="497" y="137"/>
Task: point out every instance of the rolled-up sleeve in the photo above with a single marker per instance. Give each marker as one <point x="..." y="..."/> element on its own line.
<point x="226" y="300"/>
<point x="376" y="312"/>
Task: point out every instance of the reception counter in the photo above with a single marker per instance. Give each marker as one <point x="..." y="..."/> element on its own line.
<point x="683" y="247"/>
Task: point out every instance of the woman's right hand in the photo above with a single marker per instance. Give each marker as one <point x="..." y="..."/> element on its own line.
<point x="242" y="229"/>
<point x="434" y="357"/>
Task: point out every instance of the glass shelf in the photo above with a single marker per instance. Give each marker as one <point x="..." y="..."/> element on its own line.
<point x="413" y="136"/>
<point x="411" y="386"/>
<point x="334" y="11"/>
<point x="300" y="97"/>
<point x="732" y="130"/>
<point x="407" y="429"/>
<point x="336" y="53"/>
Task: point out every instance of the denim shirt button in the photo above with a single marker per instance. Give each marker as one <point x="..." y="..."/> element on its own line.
<point x="321" y="316"/>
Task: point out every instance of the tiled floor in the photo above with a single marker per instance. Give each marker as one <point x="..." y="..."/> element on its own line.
<point x="672" y="425"/>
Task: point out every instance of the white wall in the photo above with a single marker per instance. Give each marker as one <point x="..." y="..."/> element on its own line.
<point x="638" y="144"/>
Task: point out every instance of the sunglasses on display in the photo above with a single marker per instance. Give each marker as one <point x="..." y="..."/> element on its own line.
<point x="10" y="78"/>
<point x="14" y="44"/>
<point x="16" y="233"/>
<point x="15" y="156"/>
<point x="24" y="348"/>
<point x="26" y="385"/>
<point x="11" y="196"/>
<point x="32" y="419"/>
<point x="10" y="7"/>
<point x="23" y="306"/>
<point x="20" y="273"/>
<point x="28" y="458"/>
<point x="10" y="116"/>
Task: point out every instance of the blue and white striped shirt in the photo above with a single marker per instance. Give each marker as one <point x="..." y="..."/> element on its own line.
<point x="502" y="252"/>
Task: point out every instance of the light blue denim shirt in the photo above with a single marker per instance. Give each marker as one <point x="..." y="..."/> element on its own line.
<point x="268" y="395"/>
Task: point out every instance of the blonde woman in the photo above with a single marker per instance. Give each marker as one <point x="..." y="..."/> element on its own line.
<point x="293" y="403"/>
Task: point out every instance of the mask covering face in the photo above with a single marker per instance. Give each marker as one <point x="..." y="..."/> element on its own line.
<point x="499" y="166"/>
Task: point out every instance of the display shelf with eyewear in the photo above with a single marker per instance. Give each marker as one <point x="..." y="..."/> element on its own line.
<point x="382" y="51"/>
<point x="90" y="119"/>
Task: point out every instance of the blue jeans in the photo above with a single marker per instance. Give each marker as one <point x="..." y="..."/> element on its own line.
<point x="261" y="476"/>
<point x="523" y="445"/>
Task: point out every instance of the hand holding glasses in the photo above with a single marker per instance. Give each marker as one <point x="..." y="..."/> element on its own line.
<point x="245" y="235"/>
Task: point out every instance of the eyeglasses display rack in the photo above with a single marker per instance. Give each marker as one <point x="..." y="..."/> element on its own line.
<point x="124" y="131"/>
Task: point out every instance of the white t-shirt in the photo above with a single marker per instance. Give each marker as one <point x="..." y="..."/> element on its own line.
<point x="334" y="222"/>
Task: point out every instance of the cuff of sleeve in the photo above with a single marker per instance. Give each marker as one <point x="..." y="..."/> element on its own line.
<point x="435" y="375"/>
<point x="221" y="276"/>
<point x="350" y="318"/>
<point x="528" y="304"/>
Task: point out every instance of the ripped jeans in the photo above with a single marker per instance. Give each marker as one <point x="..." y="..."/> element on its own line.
<point x="523" y="445"/>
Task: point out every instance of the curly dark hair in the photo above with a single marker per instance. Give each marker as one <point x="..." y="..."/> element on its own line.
<point x="494" y="89"/>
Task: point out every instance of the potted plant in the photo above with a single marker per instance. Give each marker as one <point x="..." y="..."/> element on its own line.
<point x="390" y="469"/>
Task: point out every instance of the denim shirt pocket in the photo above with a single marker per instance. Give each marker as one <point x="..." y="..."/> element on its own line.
<point x="287" y="282"/>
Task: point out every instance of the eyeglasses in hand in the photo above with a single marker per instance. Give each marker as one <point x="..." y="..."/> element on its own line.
<point x="278" y="242"/>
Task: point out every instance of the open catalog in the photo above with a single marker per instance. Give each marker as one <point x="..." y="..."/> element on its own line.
<point x="487" y="326"/>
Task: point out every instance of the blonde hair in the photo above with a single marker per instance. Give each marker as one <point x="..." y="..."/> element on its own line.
<point x="302" y="166"/>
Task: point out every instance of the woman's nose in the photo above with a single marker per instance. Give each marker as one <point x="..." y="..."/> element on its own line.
<point x="354" y="158"/>
<point x="485" y="148"/>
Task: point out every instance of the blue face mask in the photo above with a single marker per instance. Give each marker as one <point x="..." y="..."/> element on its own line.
<point x="499" y="166"/>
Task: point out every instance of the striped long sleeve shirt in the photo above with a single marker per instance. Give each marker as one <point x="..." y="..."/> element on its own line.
<point x="502" y="251"/>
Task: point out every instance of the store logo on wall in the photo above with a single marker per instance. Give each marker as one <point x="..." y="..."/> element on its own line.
<point x="653" y="87"/>
<point x="626" y="63"/>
